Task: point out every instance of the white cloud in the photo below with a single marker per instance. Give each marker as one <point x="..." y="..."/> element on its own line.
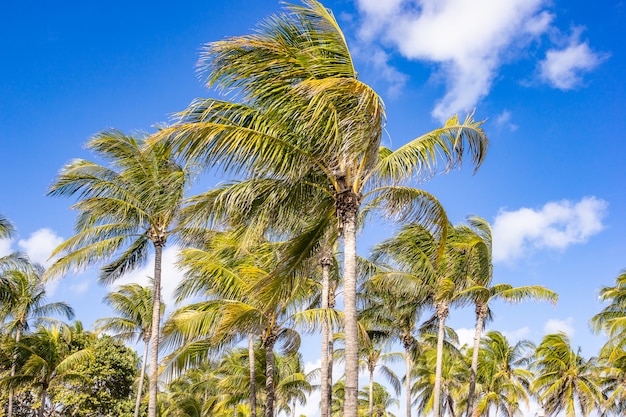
<point x="555" y="226"/>
<point x="562" y="67"/>
<point x="555" y="325"/>
<point x="514" y="336"/>
<point x="170" y="275"/>
<point x="466" y="336"/>
<point x="40" y="244"/>
<point x="5" y="247"/>
<point x="468" y="39"/>
<point x="79" y="288"/>
<point x="503" y="121"/>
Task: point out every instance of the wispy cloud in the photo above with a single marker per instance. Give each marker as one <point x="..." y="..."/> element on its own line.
<point x="556" y="325"/>
<point x="467" y="40"/>
<point x="562" y="68"/>
<point x="40" y="244"/>
<point x="5" y="247"/>
<point x="555" y="226"/>
<point x="503" y="121"/>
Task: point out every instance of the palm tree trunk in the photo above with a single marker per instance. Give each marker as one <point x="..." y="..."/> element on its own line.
<point x="325" y="262"/>
<point x="18" y="336"/>
<point x="331" y="349"/>
<point x="293" y="409"/>
<point x="348" y="206"/>
<point x="371" y="394"/>
<point x="142" y="376"/>
<point x="481" y="313"/>
<point x="407" y="379"/>
<point x="42" y="407"/>
<point x="252" y="365"/>
<point x="154" y="338"/>
<point x="442" y="313"/>
<point x="269" y="375"/>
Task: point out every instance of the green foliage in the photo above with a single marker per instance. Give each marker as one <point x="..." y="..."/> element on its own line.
<point x="107" y="385"/>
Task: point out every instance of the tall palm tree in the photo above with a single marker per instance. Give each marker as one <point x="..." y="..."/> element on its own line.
<point x="612" y="319"/>
<point x="26" y="301"/>
<point x="305" y="114"/>
<point x="477" y="240"/>
<point x="133" y="303"/>
<point x="451" y="376"/>
<point x="398" y="312"/>
<point x="244" y="298"/>
<point x="565" y="381"/>
<point x="124" y="209"/>
<point x="503" y="375"/>
<point x="44" y="359"/>
<point x="427" y="272"/>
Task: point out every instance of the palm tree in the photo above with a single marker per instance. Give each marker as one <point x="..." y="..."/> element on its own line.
<point x="451" y="376"/>
<point x="123" y="210"/>
<point x="429" y="273"/>
<point x="305" y="114"/>
<point x="477" y="240"/>
<point x="565" y="381"/>
<point x="612" y="319"/>
<point x="503" y="375"/>
<point x="378" y="400"/>
<point x="44" y="358"/>
<point x="244" y="298"/>
<point x="134" y="304"/>
<point x="613" y="383"/>
<point x="26" y="301"/>
<point x="396" y="311"/>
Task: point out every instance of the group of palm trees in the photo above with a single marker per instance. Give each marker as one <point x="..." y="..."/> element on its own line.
<point x="266" y="253"/>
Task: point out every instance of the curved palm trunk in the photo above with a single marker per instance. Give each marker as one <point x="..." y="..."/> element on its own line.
<point x="252" y="375"/>
<point x="18" y="336"/>
<point x="348" y="207"/>
<point x="142" y="376"/>
<point x="269" y="375"/>
<point x="371" y="393"/>
<point x="154" y="338"/>
<point x="325" y="380"/>
<point x="408" y="364"/>
<point x="481" y="313"/>
<point x="442" y="314"/>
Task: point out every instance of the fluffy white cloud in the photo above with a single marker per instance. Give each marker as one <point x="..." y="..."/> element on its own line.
<point x="170" y="275"/>
<point x="555" y="226"/>
<point x="5" y="247"/>
<point x="40" y="244"/>
<point x="468" y="39"/>
<point x="466" y="336"/>
<point x="562" y="67"/>
<point x="555" y="325"/>
<point x="514" y="336"/>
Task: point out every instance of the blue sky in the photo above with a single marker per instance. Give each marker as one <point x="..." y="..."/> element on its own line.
<point x="547" y="76"/>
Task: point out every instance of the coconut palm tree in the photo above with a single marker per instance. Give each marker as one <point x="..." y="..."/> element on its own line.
<point x="44" y="359"/>
<point x="305" y="114"/>
<point x="503" y="375"/>
<point x="421" y="268"/>
<point x="25" y="303"/>
<point x="396" y="311"/>
<point x="377" y="399"/>
<point x="244" y="298"/>
<point x="612" y="319"/>
<point x="564" y="380"/>
<point x="124" y="209"/>
<point x="133" y="303"/>
<point x="476" y="238"/>
<point x="451" y="376"/>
